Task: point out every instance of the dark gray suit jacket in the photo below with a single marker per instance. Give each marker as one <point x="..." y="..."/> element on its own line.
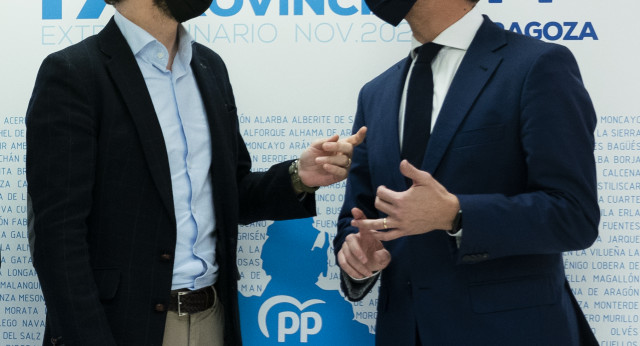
<point x="100" y="192"/>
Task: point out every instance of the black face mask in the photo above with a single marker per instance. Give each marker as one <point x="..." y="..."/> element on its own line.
<point x="391" y="11"/>
<point x="183" y="10"/>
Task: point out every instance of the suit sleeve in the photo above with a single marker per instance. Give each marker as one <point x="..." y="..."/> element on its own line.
<point x="269" y="195"/>
<point x="61" y="156"/>
<point x="359" y="193"/>
<point x="262" y="195"/>
<point x="558" y="210"/>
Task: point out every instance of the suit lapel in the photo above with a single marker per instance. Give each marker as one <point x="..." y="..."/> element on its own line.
<point x="478" y="65"/>
<point x="129" y="80"/>
<point x="389" y="127"/>
<point x="214" y="101"/>
<point x="220" y="127"/>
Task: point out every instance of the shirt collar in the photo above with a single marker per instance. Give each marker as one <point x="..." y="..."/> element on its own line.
<point x="459" y="35"/>
<point x="143" y="44"/>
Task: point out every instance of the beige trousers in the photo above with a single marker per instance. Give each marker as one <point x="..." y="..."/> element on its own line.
<point x="205" y="328"/>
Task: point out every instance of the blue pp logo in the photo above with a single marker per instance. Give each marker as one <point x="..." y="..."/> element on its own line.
<point x="291" y="322"/>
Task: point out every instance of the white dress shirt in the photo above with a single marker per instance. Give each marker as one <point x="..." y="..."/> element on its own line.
<point x="455" y="42"/>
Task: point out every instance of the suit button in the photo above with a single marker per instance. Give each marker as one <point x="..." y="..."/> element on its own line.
<point x="160" y="308"/>
<point x="166" y="257"/>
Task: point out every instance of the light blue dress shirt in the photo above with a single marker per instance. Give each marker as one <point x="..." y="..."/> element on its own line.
<point x="180" y="110"/>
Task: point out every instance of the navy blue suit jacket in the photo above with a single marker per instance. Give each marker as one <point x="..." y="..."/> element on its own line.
<point x="101" y="203"/>
<point x="514" y="142"/>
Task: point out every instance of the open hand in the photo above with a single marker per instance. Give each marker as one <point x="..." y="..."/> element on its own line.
<point x="424" y="207"/>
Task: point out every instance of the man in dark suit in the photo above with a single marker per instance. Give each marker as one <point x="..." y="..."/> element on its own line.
<point x="138" y="177"/>
<point x="467" y="240"/>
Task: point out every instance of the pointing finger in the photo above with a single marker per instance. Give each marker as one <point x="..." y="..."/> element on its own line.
<point x="417" y="176"/>
<point x="358" y="137"/>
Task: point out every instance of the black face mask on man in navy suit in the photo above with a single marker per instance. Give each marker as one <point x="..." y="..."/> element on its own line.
<point x="391" y="11"/>
<point x="183" y="10"/>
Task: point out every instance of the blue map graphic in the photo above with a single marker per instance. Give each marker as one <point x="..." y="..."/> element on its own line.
<point x="293" y="309"/>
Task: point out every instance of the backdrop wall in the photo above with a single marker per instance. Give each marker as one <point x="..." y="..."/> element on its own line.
<point x="296" y="67"/>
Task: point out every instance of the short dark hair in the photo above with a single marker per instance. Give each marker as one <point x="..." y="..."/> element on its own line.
<point x="112" y="2"/>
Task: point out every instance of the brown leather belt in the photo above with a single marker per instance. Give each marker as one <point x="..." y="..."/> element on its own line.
<point x="185" y="301"/>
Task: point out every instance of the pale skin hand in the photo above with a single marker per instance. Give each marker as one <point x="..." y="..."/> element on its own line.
<point x="424" y="207"/>
<point x="362" y="254"/>
<point x="327" y="161"/>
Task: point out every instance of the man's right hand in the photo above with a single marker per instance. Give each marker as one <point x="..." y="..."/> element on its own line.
<point x="361" y="254"/>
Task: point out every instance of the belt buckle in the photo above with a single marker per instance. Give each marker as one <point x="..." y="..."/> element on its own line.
<point x="180" y="294"/>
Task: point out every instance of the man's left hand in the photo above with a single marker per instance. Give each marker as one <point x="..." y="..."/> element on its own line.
<point x="327" y="161"/>
<point x="424" y="207"/>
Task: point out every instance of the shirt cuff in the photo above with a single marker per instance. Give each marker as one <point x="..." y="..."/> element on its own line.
<point x="356" y="289"/>
<point x="458" y="236"/>
<point x="363" y="279"/>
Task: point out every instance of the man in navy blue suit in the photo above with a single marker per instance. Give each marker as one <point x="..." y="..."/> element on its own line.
<point x="467" y="240"/>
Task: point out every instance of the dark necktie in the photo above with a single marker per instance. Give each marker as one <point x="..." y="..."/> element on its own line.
<point x="417" y="115"/>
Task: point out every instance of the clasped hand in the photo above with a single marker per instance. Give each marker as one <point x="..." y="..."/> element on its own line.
<point x="327" y="161"/>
